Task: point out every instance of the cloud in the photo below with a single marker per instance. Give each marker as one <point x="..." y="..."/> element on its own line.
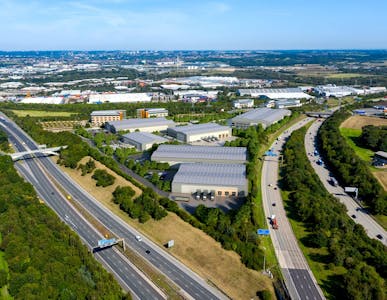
<point x="220" y="7"/>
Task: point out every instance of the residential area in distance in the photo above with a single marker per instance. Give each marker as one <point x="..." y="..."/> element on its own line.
<point x="185" y="174"/>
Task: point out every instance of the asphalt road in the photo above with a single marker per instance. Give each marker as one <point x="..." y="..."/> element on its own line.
<point x="299" y="279"/>
<point x="130" y="278"/>
<point x="190" y="283"/>
<point x="353" y="208"/>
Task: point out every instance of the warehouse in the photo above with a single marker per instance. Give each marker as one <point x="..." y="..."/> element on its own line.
<point x="175" y="154"/>
<point x="142" y="140"/>
<point x="43" y="100"/>
<point x="243" y="103"/>
<point x="263" y="116"/>
<point x="285" y="93"/>
<point x="221" y="179"/>
<point x="144" y="125"/>
<point x="100" y="117"/>
<point x="152" y="112"/>
<point x="192" y="133"/>
<point x="119" y="97"/>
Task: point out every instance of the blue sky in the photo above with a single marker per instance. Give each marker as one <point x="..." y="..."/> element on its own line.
<point x="192" y="24"/>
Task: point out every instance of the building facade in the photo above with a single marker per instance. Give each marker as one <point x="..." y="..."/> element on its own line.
<point x="193" y="133"/>
<point x="152" y="113"/>
<point x="100" y="117"/>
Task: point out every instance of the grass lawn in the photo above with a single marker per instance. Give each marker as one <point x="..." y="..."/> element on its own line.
<point x="194" y="248"/>
<point x="42" y="113"/>
<point x="345" y="75"/>
<point x="351" y="134"/>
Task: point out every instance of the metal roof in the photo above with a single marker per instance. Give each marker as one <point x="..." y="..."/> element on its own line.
<point x="211" y="174"/>
<point x="144" y="137"/>
<point x="381" y="154"/>
<point x="140" y="122"/>
<point x="106" y="112"/>
<point x="264" y="115"/>
<point x="200" y="153"/>
<point x="200" y="128"/>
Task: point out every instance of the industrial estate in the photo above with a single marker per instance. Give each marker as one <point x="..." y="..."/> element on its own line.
<point x="193" y="175"/>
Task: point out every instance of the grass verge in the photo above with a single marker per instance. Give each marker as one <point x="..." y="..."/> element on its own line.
<point x="42" y="113"/>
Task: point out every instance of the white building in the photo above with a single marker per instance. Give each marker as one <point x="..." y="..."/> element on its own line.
<point x="283" y="93"/>
<point x="142" y="140"/>
<point x="193" y="133"/>
<point x="332" y="90"/>
<point x="287" y="103"/>
<point x="43" y="100"/>
<point x="143" y="125"/>
<point x="243" y="103"/>
<point x="119" y="97"/>
<point x="263" y="116"/>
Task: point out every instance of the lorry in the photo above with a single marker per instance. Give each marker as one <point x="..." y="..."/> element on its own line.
<point x="273" y="221"/>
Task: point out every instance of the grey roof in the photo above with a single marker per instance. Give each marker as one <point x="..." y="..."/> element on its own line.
<point x="263" y="91"/>
<point x="200" y="128"/>
<point x="212" y="174"/>
<point x="144" y="137"/>
<point x="106" y="112"/>
<point x="200" y="153"/>
<point x="381" y="154"/>
<point x="265" y="115"/>
<point x="136" y="123"/>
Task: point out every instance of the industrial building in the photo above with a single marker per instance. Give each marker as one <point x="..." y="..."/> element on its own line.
<point x="100" y="117"/>
<point x="222" y="179"/>
<point x="144" y="125"/>
<point x="243" y="103"/>
<point x="43" y="100"/>
<point x="152" y="112"/>
<point x="119" y="97"/>
<point x="142" y="140"/>
<point x="287" y="103"/>
<point x="284" y="93"/>
<point x="192" y="133"/>
<point x="332" y="90"/>
<point x="175" y="154"/>
<point x="263" y="116"/>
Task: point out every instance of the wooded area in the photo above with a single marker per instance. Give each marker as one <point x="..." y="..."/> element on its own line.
<point x="374" y="137"/>
<point x="46" y="259"/>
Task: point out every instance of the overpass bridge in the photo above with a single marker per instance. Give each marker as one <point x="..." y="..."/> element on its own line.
<point x="319" y="114"/>
<point x="45" y="151"/>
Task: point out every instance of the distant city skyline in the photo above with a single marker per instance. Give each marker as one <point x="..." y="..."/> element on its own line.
<point x="192" y="25"/>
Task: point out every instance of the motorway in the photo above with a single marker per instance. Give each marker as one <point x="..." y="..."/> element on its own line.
<point x="190" y="283"/>
<point x="353" y="208"/>
<point x="128" y="276"/>
<point x="298" y="277"/>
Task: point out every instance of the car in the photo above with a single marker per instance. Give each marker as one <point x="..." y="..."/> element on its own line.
<point x="147" y="251"/>
<point x="353" y="216"/>
<point x="275" y="187"/>
<point x="138" y="238"/>
<point x="379" y="236"/>
<point x="270" y="184"/>
<point x="358" y="209"/>
<point x="273" y="204"/>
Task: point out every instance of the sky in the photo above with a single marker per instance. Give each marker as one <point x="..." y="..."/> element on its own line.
<point x="192" y="24"/>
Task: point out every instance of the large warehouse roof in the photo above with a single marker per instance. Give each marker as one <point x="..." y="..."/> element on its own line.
<point x="200" y="128"/>
<point x="266" y="116"/>
<point x="144" y="137"/>
<point x="211" y="174"/>
<point x="119" y="97"/>
<point x="283" y="93"/>
<point x="43" y="100"/>
<point x="180" y="153"/>
<point x="127" y="124"/>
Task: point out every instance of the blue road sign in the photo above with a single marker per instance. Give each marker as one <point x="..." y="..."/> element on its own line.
<point x="263" y="231"/>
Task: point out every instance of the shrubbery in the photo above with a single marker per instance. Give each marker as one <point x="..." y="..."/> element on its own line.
<point x="103" y="178"/>
<point x="374" y="137"/>
<point x="87" y="168"/>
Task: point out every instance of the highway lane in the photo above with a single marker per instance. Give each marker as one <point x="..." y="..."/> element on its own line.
<point x="129" y="277"/>
<point x="298" y="277"/>
<point x="187" y="280"/>
<point x="353" y="208"/>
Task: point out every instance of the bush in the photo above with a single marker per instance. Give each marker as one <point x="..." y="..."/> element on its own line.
<point x="103" y="178"/>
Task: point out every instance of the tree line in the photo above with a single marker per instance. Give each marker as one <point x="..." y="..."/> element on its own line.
<point x="374" y="137"/>
<point x="46" y="260"/>
<point x="348" y="168"/>
<point x="329" y="227"/>
<point x="4" y="144"/>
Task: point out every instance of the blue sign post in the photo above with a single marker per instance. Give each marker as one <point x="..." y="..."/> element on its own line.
<point x="263" y="232"/>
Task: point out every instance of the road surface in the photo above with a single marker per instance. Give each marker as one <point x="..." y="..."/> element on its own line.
<point x="298" y="277"/>
<point x="353" y="208"/>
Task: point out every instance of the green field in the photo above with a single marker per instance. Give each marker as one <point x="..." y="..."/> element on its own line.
<point x="42" y="113"/>
<point x="350" y="136"/>
<point x="345" y="75"/>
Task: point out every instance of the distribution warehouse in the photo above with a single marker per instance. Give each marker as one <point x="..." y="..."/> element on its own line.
<point x="222" y="179"/>
<point x="263" y="116"/>
<point x="119" y="97"/>
<point x="142" y="140"/>
<point x="145" y="125"/>
<point x="175" y="154"/>
<point x="192" y="133"/>
<point x="285" y="93"/>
